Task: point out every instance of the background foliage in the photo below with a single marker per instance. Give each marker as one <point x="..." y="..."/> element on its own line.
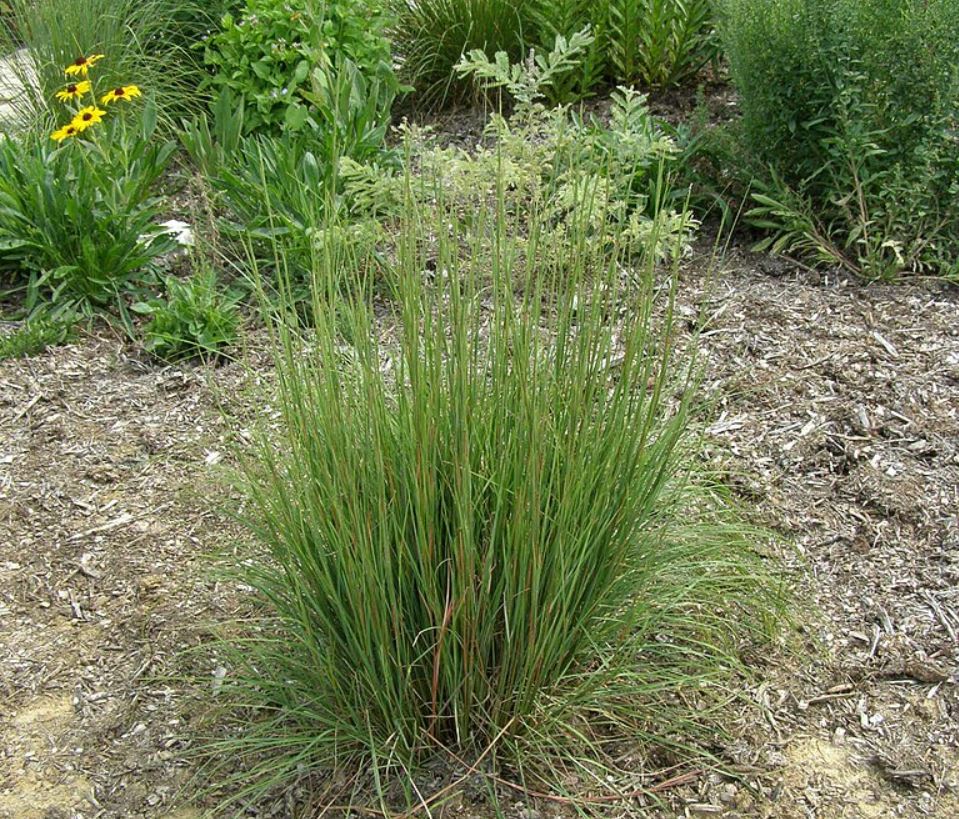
<point x="654" y="43"/>
<point x="853" y="103"/>
<point x="431" y="36"/>
<point x="282" y="60"/>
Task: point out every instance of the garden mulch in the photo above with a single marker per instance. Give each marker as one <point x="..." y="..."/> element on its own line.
<point x="835" y="417"/>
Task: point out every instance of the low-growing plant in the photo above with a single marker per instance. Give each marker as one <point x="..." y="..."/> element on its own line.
<point x="853" y="105"/>
<point x="712" y="165"/>
<point x="194" y="319"/>
<point x="78" y="221"/>
<point x="35" y="334"/>
<point x="284" y="62"/>
<point x="482" y="535"/>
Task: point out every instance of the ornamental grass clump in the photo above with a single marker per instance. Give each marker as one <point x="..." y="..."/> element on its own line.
<point x="430" y="38"/>
<point x="483" y="537"/>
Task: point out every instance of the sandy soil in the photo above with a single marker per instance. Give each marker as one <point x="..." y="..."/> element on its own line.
<point x="836" y="419"/>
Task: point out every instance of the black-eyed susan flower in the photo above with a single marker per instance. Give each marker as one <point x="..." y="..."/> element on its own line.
<point x="65" y="132"/>
<point x="81" y="65"/>
<point x="86" y="117"/>
<point x="123" y="92"/>
<point x="73" y="90"/>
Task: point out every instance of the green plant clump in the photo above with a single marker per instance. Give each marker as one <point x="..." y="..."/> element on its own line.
<point x="433" y="35"/>
<point x="78" y="223"/>
<point x="195" y="319"/>
<point x="483" y="536"/>
<point x="282" y="60"/>
<point x="275" y="190"/>
<point x="558" y="167"/>
<point x="34" y="335"/>
<point x="278" y="194"/>
<point x="854" y="105"/>
<point x="657" y="43"/>
<point x="285" y="197"/>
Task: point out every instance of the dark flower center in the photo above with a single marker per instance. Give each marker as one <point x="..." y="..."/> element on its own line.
<point x="71" y="89"/>
<point x="80" y="61"/>
<point x="118" y="92"/>
<point x="87" y="117"/>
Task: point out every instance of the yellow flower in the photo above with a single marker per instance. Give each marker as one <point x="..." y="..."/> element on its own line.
<point x="63" y="133"/>
<point x="81" y="65"/>
<point x="74" y="89"/>
<point x="86" y="117"/>
<point x="124" y="92"/>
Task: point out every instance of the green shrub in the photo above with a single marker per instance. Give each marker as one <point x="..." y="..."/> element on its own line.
<point x="34" y="335"/>
<point x="78" y="222"/>
<point x="283" y="61"/>
<point x="147" y="42"/>
<point x="853" y="103"/>
<point x="272" y="161"/>
<point x="481" y="531"/>
<point x="195" y="319"/>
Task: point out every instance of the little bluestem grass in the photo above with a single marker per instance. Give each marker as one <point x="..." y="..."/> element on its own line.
<point x="483" y="537"/>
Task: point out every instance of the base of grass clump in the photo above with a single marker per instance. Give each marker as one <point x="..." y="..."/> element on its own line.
<point x="483" y="538"/>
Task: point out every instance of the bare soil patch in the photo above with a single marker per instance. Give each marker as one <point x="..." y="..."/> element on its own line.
<point x="836" y="418"/>
<point x="103" y="530"/>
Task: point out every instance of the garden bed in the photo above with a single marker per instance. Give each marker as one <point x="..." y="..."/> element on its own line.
<point x="502" y="556"/>
<point x="836" y="415"/>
